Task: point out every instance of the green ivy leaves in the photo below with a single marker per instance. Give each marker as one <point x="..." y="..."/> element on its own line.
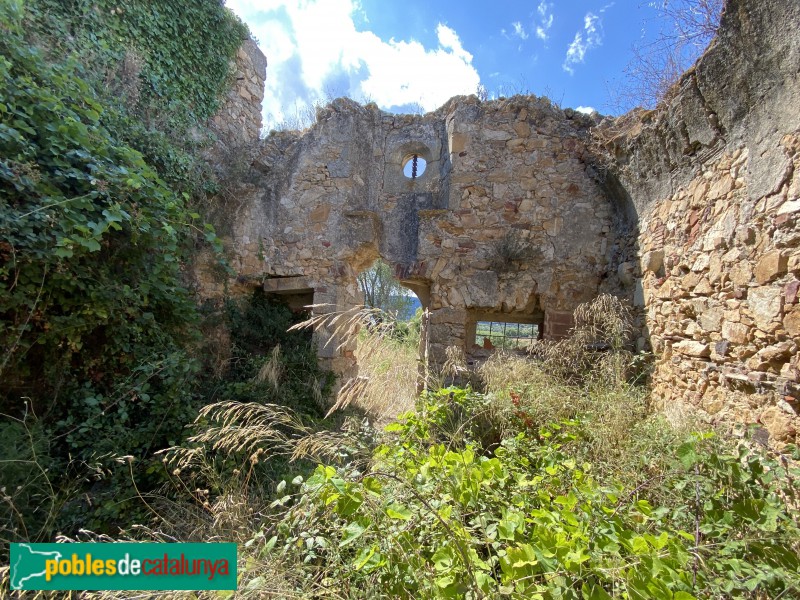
<point x="96" y="229"/>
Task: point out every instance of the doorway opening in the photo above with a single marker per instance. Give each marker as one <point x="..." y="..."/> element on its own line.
<point x="380" y="289"/>
<point x="390" y="345"/>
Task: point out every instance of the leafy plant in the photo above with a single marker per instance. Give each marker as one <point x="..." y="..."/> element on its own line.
<point x="98" y="228"/>
<point x="531" y="521"/>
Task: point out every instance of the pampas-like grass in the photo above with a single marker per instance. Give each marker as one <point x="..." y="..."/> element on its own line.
<point x="386" y="384"/>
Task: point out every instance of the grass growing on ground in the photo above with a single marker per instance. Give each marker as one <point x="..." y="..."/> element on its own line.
<point x="388" y="360"/>
<point x="387" y="352"/>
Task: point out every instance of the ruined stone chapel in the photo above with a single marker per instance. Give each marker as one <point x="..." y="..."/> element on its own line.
<point x="516" y="211"/>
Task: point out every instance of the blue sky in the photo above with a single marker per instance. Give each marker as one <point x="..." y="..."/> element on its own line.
<point x="412" y="56"/>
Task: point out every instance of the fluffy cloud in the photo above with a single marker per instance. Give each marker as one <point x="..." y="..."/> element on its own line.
<point x="590" y="37"/>
<point x="315" y="52"/>
<point x="545" y="10"/>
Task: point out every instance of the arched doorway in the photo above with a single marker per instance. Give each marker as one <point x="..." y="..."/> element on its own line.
<point x="390" y="351"/>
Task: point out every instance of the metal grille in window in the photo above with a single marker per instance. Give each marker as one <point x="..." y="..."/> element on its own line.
<point x="414" y="166"/>
<point x="508" y="336"/>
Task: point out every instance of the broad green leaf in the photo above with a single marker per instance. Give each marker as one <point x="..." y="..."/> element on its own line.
<point x="444" y="558"/>
<point x="397" y="511"/>
<point x="687" y="454"/>
<point x="351" y="533"/>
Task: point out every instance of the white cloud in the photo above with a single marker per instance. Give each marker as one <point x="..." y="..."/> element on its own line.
<point x="587" y="110"/>
<point x="519" y="30"/>
<point x="585" y="40"/>
<point x="314" y="51"/>
<point x="545" y="10"/>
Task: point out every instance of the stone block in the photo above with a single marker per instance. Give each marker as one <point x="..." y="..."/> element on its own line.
<point x="457" y="142"/>
<point x="496" y="135"/>
<point x="703" y="287"/>
<point x="713" y="401"/>
<point x="522" y="128"/>
<point x="721" y="348"/>
<point x="721" y="186"/>
<point x="766" y="304"/>
<point x="776" y="353"/>
<point x="448" y="315"/>
<point x="791" y="322"/>
<point x="770" y="266"/>
<point x="778" y="424"/>
<point x="482" y="290"/>
<point x="711" y="319"/>
<point x="692" y="348"/>
<point x="736" y="333"/>
<point x="320" y="213"/>
<point x="652" y="261"/>
<point x="701" y="262"/>
<point x="790" y="207"/>
<point x="287" y="285"/>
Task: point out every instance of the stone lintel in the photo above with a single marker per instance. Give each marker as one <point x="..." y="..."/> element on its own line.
<point x="288" y="285"/>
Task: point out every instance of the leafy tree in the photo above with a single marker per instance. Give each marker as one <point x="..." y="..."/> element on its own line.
<point x="381" y="290"/>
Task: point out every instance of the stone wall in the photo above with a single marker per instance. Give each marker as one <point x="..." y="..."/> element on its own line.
<point x="713" y="178"/>
<point x="524" y="211"/>
<point x="507" y="222"/>
<point x="237" y="127"/>
<point x="238" y="122"/>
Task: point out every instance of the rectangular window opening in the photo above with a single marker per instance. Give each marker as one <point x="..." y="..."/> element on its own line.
<point x="506" y="335"/>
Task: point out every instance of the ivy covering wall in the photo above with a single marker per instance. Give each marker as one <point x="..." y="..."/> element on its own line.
<point x="102" y="113"/>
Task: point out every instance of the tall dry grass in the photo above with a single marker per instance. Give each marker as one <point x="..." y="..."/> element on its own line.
<point x="591" y="375"/>
<point x="387" y="354"/>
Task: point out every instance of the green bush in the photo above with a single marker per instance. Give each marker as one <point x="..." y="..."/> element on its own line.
<point x="530" y="520"/>
<point x="258" y="326"/>
<point x="93" y="240"/>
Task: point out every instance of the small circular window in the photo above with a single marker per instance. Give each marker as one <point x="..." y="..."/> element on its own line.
<point x="414" y="166"/>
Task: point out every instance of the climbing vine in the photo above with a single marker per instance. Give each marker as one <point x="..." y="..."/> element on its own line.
<point x="97" y="217"/>
<point x="179" y="51"/>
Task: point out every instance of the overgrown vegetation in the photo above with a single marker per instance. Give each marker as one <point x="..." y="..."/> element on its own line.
<point x="685" y="28"/>
<point x="98" y="188"/>
<point x="540" y="486"/>
<point x="434" y="516"/>
<point x="388" y="358"/>
<point x="548" y="477"/>
<point x="512" y="248"/>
